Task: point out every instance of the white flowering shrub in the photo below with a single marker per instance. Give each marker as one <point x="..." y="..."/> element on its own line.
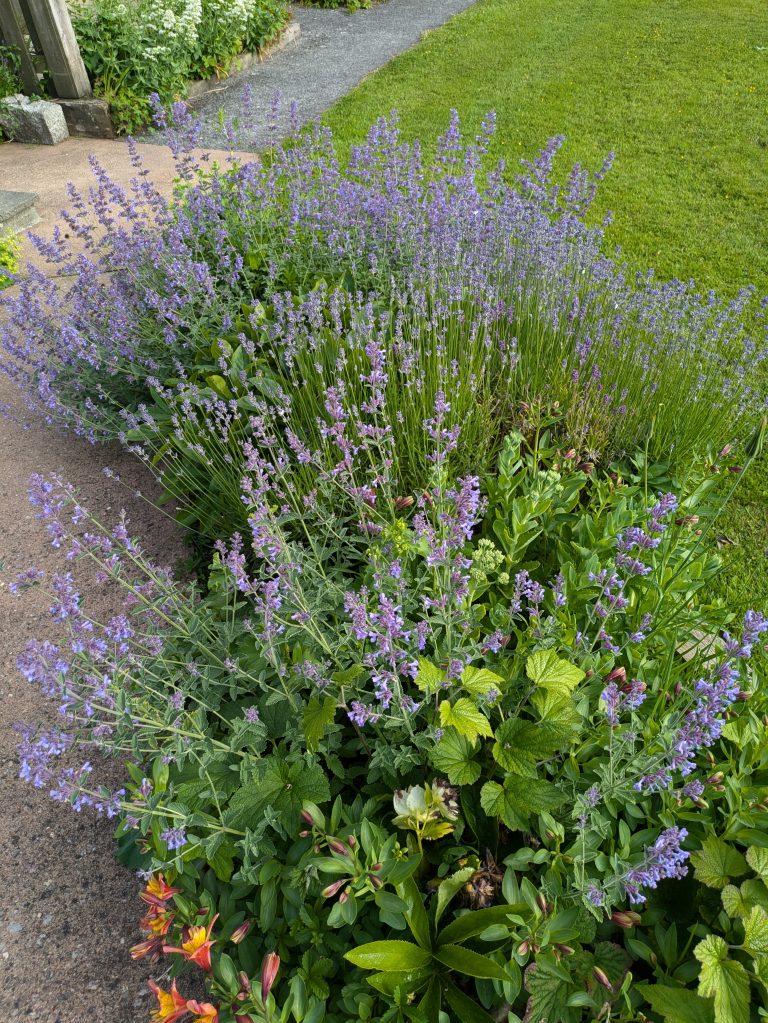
<point x="138" y="47"/>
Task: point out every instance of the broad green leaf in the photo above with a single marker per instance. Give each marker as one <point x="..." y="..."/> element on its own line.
<point x="283" y="786"/>
<point x="723" y="979"/>
<point x="415" y="913"/>
<point x="465" y="718"/>
<point x="548" y="996"/>
<point x="549" y="671"/>
<point x="318" y="716"/>
<point x="733" y="901"/>
<point x="677" y="1005"/>
<point x="219" y="385"/>
<point x="758" y="860"/>
<point x="408" y="981"/>
<point x="466" y="1009"/>
<point x="520" y="744"/>
<point x="518" y="799"/>
<point x="429" y="677"/>
<point x="389" y="956"/>
<point x="475" y="922"/>
<point x="756" y="932"/>
<point x="453" y="757"/>
<point x="717" y="862"/>
<point x="481" y="681"/>
<point x="449" y="887"/>
<point x="468" y="963"/>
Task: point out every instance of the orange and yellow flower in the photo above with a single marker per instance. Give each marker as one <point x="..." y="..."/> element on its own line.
<point x="197" y="946"/>
<point x="151" y="947"/>
<point x="157" y="891"/>
<point x="171" y="1005"/>
<point x="207" y="1013"/>
<point x="157" y="922"/>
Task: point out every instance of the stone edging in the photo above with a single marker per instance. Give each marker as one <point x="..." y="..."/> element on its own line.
<point x="244" y="62"/>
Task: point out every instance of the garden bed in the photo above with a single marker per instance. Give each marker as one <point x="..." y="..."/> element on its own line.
<point x="433" y="732"/>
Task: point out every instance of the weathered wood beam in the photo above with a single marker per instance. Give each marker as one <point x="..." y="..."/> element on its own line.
<point x="50" y="20"/>
<point x="11" y="22"/>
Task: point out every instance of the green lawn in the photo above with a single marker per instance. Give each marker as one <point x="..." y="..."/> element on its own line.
<point x="677" y="88"/>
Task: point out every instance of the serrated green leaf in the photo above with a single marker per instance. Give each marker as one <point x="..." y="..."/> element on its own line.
<point x="733" y="901"/>
<point x="723" y="979"/>
<point x="389" y="956"/>
<point x="282" y="785"/>
<point x="758" y="860"/>
<point x="481" y="681"/>
<point x="548" y="995"/>
<point x="465" y="718"/>
<point x="613" y="961"/>
<point x="520" y="744"/>
<point x="717" y="862"/>
<point x="518" y="799"/>
<point x="756" y="932"/>
<point x="318" y="716"/>
<point x="677" y="1005"/>
<point x="551" y="672"/>
<point x="469" y="963"/>
<point x="453" y="757"/>
<point x="429" y="677"/>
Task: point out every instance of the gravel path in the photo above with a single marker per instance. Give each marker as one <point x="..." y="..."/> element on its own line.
<point x="335" y="51"/>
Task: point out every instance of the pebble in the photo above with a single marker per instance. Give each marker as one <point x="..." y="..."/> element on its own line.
<point x="15" y="928"/>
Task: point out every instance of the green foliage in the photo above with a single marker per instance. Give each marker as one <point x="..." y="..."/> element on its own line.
<point x="9" y="260"/>
<point x="136" y="48"/>
<point x="10" y="64"/>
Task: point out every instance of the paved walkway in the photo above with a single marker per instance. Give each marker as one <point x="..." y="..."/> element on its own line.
<point x="335" y="52"/>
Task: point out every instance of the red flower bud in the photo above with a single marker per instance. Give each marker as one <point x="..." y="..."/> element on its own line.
<point x="617" y="675"/>
<point x="376" y="882"/>
<point x="625" y="918"/>
<point x="331" y="890"/>
<point x="307" y="816"/>
<point x="376" y="867"/>
<point x="245" y="981"/>
<point x="338" y="847"/>
<point x="522" y="948"/>
<point x="344" y="897"/>
<point x="240" y="932"/>
<point x="269" y="968"/>
<point x="351" y="841"/>
<point x="602" y="978"/>
<point x="543" y="905"/>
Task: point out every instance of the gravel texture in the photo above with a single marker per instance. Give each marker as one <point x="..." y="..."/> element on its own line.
<point x="336" y="50"/>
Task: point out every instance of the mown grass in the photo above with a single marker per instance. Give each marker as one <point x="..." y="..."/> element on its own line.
<point x="677" y="88"/>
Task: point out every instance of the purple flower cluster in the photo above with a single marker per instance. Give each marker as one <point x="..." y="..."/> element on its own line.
<point x="664" y="859"/>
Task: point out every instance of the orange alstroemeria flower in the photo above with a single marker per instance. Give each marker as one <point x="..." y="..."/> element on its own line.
<point x="157" y="923"/>
<point x="152" y="947"/>
<point x="171" y="1005"/>
<point x="197" y="947"/>
<point x="157" y="891"/>
<point x="207" y="1013"/>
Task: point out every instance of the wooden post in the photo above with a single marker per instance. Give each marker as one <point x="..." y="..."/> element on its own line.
<point x="51" y="22"/>
<point x="10" y="29"/>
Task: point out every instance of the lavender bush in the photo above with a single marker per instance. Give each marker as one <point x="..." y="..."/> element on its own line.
<point x="279" y="286"/>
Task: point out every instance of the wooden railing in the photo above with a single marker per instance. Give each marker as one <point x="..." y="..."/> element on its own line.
<point x="49" y="27"/>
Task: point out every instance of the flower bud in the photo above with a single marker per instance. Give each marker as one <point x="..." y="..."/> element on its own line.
<point x="376" y="867"/>
<point x="625" y="918"/>
<point x="565" y="950"/>
<point x="602" y="978"/>
<point x="618" y="674"/>
<point x="401" y="503"/>
<point x="344" y="897"/>
<point x="586" y="467"/>
<point x="269" y="968"/>
<point x="304" y="834"/>
<point x="735" y="468"/>
<point x="240" y="932"/>
<point x="338" y="847"/>
<point x="245" y="981"/>
<point x="724" y="452"/>
<point x="743" y="695"/>
<point x="376" y="882"/>
<point x="307" y="816"/>
<point x="543" y="905"/>
<point x="331" y="889"/>
<point x="570" y="454"/>
<point x="351" y="841"/>
<point x="523" y="947"/>
<point x="715" y="778"/>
